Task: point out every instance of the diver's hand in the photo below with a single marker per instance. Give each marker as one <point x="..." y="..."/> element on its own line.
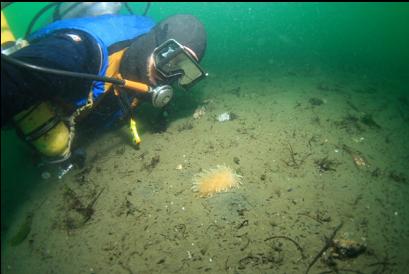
<point x="161" y="95"/>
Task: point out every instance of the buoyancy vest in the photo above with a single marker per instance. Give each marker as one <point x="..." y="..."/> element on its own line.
<point x="112" y="33"/>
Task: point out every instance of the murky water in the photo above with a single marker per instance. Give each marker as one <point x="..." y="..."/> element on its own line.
<point x="321" y="121"/>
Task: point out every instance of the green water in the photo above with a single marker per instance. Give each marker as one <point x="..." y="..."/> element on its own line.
<point x="246" y="35"/>
<point x="369" y="39"/>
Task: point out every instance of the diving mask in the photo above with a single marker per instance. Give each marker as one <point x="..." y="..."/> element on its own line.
<point x="173" y="61"/>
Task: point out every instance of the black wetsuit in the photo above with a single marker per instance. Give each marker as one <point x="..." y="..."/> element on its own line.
<point x="21" y="87"/>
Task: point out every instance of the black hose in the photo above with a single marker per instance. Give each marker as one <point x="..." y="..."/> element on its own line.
<point x="85" y="76"/>
<point x="38" y="15"/>
<point x="148" y="5"/>
<point x="128" y="8"/>
<point x="5" y="4"/>
<point x="58" y="15"/>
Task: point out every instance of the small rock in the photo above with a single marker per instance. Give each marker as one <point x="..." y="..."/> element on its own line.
<point x="225" y="116"/>
<point x="316" y="101"/>
<point x="46" y="175"/>
<point x="199" y="112"/>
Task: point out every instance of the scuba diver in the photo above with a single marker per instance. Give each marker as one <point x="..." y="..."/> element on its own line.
<point x="98" y="69"/>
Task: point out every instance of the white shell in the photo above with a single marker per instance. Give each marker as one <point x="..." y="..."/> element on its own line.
<point x="223" y="117"/>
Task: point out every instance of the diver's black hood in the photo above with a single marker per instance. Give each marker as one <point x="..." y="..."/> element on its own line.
<point x="186" y="29"/>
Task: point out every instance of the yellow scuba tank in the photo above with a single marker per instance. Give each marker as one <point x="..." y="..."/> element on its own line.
<point x="39" y="124"/>
<point x="9" y="44"/>
<point x="43" y="129"/>
<point x="6" y="34"/>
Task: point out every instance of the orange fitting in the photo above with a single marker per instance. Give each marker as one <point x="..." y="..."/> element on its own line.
<point x="136" y="86"/>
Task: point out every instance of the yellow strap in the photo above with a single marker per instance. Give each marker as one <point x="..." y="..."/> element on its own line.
<point x="134" y="131"/>
<point x="114" y="62"/>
